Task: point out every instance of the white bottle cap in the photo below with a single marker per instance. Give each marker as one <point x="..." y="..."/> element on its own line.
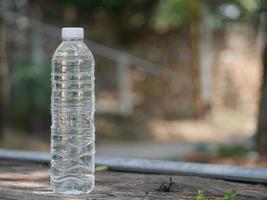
<point x="72" y="33"/>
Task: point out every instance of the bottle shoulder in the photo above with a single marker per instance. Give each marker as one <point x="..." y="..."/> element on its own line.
<point x="74" y="49"/>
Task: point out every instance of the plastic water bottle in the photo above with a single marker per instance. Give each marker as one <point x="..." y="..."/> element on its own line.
<point x="72" y="110"/>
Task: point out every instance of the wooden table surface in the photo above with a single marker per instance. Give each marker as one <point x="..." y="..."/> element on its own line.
<point x="26" y="181"/>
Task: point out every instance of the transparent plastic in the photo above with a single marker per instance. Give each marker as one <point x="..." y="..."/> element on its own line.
<point x="72" y="110"/>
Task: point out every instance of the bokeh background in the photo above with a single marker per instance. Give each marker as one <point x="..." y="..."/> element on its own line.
<point x="175" y="79"/>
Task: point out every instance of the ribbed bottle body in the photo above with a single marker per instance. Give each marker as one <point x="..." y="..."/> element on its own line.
<point x="72" y="112"/>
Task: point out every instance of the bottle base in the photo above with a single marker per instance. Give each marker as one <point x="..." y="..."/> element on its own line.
<point x="70" y="188"/>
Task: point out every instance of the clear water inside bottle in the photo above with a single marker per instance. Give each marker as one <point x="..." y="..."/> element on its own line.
<point x="72" y="112"/>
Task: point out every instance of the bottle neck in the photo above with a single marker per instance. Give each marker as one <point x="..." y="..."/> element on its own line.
<point x="73" y="39"/>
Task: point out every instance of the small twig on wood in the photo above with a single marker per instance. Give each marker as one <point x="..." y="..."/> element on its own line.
<point x="166" y="187"/>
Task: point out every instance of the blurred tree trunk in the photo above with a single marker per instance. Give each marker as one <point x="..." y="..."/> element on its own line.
<point x="37" y="54"/>
<point x="195" y="48"/>
<point x="262" y="120"/>
<point x="124" y="84"/>
<point x="4" y="86"/>
<point x="206" y="58"/>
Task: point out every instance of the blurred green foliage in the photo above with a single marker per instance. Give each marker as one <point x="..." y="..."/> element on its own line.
<point x="113" y="6"/>
<point x="165" y="14"/>
<point x="233" y="151"/>
<point x="135" y="12"/>
<point x="30" y="101"/>
<point x="131" y="18"/>
<point x="230" y="195"/>
<point x="200" y="195"/>
<point x="174" y="13"/>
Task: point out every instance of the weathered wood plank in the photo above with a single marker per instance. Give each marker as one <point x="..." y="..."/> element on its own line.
<point x="27" y="181"/>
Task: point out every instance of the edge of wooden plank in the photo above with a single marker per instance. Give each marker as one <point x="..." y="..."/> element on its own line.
<point x="227" y="172"/>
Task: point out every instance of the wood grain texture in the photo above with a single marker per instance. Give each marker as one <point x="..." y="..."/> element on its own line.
<point x="28" y="181"/>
